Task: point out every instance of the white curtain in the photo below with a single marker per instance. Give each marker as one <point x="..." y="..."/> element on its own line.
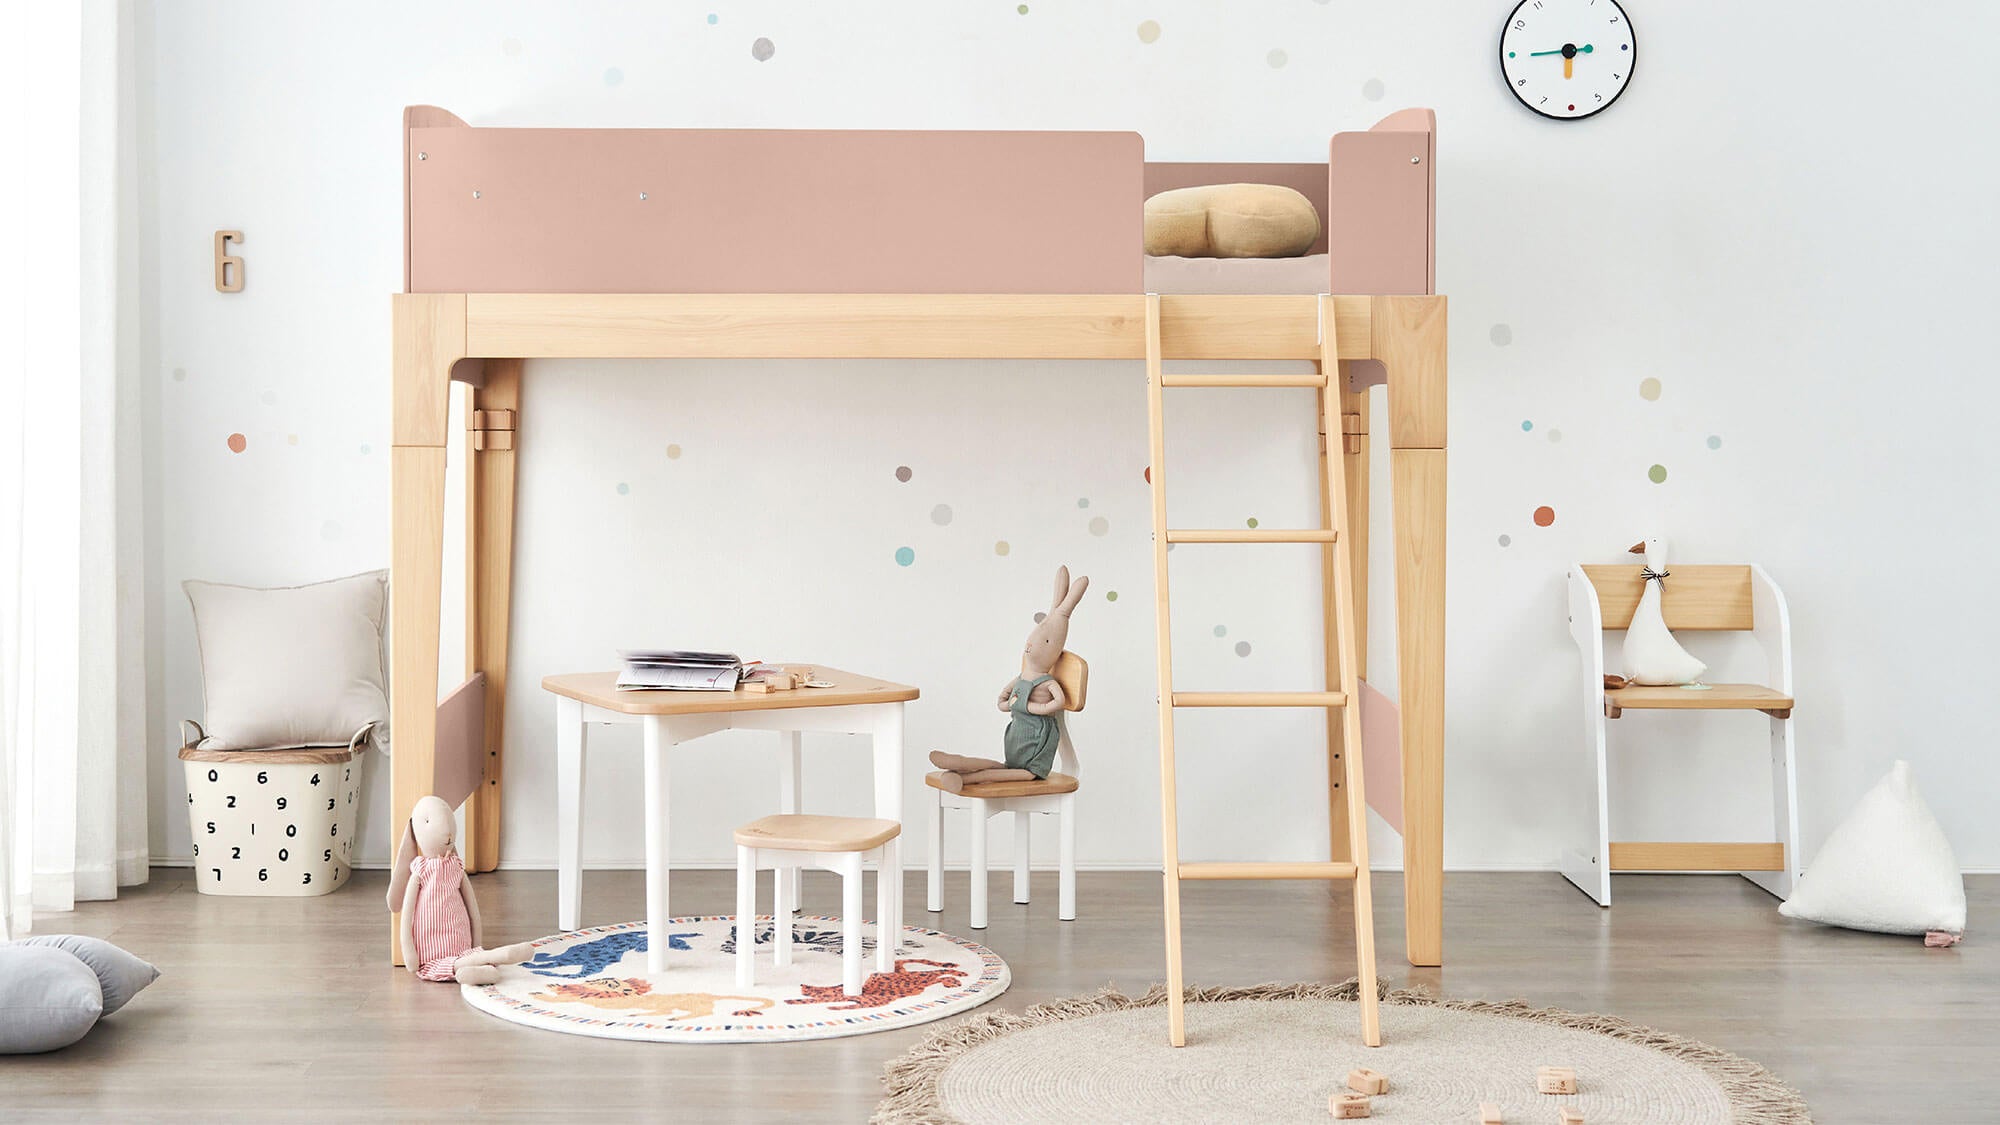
<point x="72" y="674"/>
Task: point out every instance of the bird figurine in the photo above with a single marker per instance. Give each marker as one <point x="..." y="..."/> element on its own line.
<point x="1652" y="655"/>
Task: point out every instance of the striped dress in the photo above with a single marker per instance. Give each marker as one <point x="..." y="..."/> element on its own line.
<point x="443" y="929"/>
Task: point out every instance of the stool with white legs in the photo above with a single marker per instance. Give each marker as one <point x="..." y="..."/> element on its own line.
<point x="1054" y="795"/>
<point x="841" y="844"/>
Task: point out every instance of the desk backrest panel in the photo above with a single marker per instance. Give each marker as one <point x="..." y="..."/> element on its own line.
<point x="1695" y="597"/>
<point x="772" y="211"/>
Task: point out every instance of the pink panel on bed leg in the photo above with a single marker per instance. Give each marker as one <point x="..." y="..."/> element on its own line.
<point x="1381" y="206"/>
<point x="774" y="211"/>
<point x="1382" y="754"/>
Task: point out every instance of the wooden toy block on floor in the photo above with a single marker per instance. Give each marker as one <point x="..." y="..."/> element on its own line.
<point x="1347" y="1107"/>
<point x="1570" y="1115"/>
<point x="1555" y="1080"/>
<point x="1364" y="1081"/>
<point x="1489" y="1114"/>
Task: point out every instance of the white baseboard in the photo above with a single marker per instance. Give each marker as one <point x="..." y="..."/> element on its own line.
<point x="1148" y="868"/>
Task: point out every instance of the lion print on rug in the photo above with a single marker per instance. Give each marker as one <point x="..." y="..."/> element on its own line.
<point x="635" y="994"/>
<point x="883" y="989"/>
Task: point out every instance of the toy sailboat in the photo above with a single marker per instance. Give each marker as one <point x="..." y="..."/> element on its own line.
<point x="1652" y="655"/>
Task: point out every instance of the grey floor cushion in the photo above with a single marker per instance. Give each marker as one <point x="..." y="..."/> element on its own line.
<point x="119" y="974"/>
<point x="48" y="999"/>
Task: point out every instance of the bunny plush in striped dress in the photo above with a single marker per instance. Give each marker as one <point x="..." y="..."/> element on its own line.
<point x="440" y="917"/>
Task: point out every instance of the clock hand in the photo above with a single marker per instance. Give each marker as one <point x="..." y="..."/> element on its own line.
<point x="1563" y="50"/>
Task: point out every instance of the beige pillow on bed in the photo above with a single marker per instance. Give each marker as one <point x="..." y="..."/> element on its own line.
<point x="1231" y="221"/>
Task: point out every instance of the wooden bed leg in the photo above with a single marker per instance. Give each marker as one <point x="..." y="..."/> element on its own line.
<point x="1330" y="446"/>
<point x="489" y="565"/>
<point x="1410" y="340"/>
<point x="429" y="338"/>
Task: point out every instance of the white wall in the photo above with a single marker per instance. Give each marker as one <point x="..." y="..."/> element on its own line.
<point x="1796" y="240"/>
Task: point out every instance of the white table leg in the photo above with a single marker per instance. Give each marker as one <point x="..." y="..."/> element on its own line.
<point x="935" y="898"/>
<point x="1021" y="857"/>
<point x="657" y="748"/>
<point x="746" y="916"/>
<point x="790" y="800"/>
<point x="570" y="736"/>
<point x="889" y="796"/>
<point x="888" y="862"/>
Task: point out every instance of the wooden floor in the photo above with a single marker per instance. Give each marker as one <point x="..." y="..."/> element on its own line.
<point x="283" y="1009"/>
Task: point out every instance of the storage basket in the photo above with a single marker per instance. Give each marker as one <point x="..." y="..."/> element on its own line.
<point x="273" y="822"/>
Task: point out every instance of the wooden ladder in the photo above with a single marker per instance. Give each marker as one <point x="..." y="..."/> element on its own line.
<point x="1342" y="652"/>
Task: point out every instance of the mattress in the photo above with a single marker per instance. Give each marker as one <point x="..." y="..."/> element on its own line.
<point x="1310" y="274"/>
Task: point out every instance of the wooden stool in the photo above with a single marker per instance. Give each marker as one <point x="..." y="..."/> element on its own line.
<point x="841" y="844"/>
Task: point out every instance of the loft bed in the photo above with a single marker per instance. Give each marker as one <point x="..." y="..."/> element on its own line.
<point x="697" y="243"/>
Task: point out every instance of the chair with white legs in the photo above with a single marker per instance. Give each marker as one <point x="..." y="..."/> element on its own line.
<point x="841" y="844"/>
<point x="1741" y="598"/>
<point x="1054" y="796"/>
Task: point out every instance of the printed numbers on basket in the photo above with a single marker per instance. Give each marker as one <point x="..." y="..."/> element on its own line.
<point x="263" y="874"/>
<point x="236" y="853"/>
<point x="291" y="829"/>
<point x="213" y="776"/>
<point x="211" y="828"/>
<point x="307" y="879"/>
<point x="263" y="777"/>
<point x="329" y="804"/>
<point x="283" y="855"/>
<point x="231" y="799"/>
<point x="281" y="802"/>
<point x="327" y="855"/>
<point x="218" y="871"/>
<point x="315" y="779"/>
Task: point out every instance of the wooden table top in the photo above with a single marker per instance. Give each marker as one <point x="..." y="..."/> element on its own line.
<point x="599" y="690"/>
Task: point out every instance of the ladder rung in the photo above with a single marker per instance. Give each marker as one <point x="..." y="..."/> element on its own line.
<point x="1250" y="535"/>
<point x="1267" y="871"/>
<point x="1260" y="699"/>
<point x="1230" y="379"/>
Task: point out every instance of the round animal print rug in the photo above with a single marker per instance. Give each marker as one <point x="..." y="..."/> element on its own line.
<point x="594" y="982"/>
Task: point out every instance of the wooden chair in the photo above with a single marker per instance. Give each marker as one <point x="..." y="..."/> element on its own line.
<point x="842" y="844"/>
<point x="1054" y="795"/>
<point x="1695" y="598"/>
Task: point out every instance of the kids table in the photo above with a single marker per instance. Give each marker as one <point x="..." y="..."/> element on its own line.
<point x="853" y="705"/>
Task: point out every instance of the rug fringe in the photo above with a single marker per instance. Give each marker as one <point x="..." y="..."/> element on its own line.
<point x="1756" y="1095"/>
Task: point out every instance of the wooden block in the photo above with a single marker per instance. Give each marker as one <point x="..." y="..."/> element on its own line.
<point x="1570" y="1115"/>
<point x="1555" y="1080"/>
<point x="1347" y="1107"/>
<point x="1364" y="1081"/>
<point x="782" y="681"/>
<point x="756" y="687"/>
<point x="1489" y="1114"/>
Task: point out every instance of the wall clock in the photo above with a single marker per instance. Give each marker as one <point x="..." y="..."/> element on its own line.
<point x="1568" y="59"/>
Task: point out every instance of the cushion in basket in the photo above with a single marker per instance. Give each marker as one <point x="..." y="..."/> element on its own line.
<point x="48" y="999"/>
<point x="1231" y="221"/>
<point x="293" y="666"/>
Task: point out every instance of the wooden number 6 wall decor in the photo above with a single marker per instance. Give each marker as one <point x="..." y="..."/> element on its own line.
<point x="228" y="268"/>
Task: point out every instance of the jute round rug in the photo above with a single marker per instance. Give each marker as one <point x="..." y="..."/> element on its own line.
<point x="594" y="982"/>
<point x="1276" y="1052"/>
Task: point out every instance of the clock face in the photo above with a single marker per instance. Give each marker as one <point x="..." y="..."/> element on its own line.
<point x="1567" y="58"/>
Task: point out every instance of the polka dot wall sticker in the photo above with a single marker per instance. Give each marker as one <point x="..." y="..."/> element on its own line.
<point x="1021" y="9"/>
<point x="268" y="398"/>
<point x="1544" y="516"/>
<point x="762" y="50"/>
<point x="1242" y="648"/>
<point x="1083" y="501"/>
<point x="1099" y="525"/>
<point x="905" y="556"/>
<point x="1714" y="442"/>
<point x="1506" y="540"/>
<point x="1649" y="389"/>
<point x="613" y="76"/>
<point x="624" y="489"/>
<point x="511" y="47"/>
<point x="1222" y="630"/>
<point x="180" y="374"/>
<point x="1149" y="31"/>
<point x="673" y="452"/>
<point x="941" y="515"/>
<point x="1526" y="425"/>
<point x="903" y="473"/>
<point x="1276" y="59"/>
<point x="1110" y="595"/>
<point x="1039" y="617"/>
<point x="1372" y="90"/>
<point x="1251" y="522"/>
<point x="1657" y="474"/>
<point x="711" y="19"/>
<point x="1555" y="435"/>
<point x="1002" y="547"/>
<point x="366" y="449"/>
<point x="237" y="443"/>
<point x="1501" y="335"/>
<point x="291" y="439"/>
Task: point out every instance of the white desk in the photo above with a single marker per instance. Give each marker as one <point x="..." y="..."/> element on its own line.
<point x="854" y="705"/>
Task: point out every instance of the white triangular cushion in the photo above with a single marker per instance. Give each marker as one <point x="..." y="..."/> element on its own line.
<point x="1886" y="868"/>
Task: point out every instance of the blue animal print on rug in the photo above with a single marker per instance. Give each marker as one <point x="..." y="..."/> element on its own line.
<point x="593" y="957"/>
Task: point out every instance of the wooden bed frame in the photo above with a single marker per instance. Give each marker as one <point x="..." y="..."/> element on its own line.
<point x="738" y="244"/>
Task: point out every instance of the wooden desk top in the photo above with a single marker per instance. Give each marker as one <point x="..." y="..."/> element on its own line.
<point x="599" y="690"/>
